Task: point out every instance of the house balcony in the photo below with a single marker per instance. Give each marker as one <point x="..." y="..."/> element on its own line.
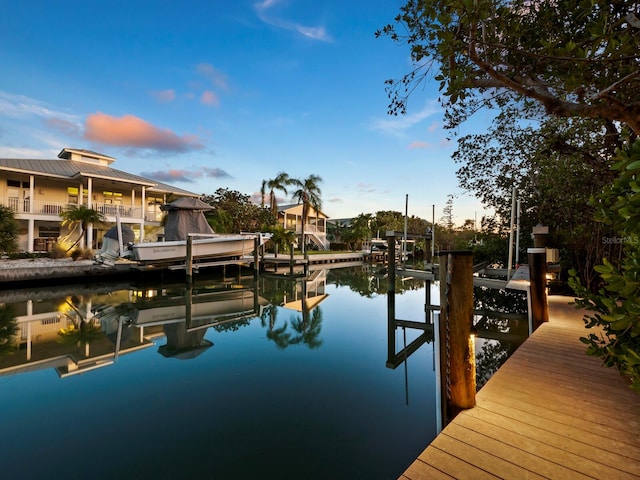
<point x="53" y="209"/>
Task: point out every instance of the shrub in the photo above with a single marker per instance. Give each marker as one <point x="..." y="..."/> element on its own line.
<point x="58" y="251"/>
<point x="615" y="304"/>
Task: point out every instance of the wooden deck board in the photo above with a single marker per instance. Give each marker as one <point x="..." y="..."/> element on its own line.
<point x="550" y="411"/>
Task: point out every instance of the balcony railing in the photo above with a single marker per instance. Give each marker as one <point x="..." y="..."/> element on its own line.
<point x="55" y="208"/>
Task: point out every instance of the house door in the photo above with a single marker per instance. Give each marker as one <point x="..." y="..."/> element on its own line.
<point x="18" y="195"/>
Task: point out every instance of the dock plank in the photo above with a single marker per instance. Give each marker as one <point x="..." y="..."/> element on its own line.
<point x="550" y="411"/>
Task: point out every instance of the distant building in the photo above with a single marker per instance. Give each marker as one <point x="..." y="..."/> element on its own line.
<point x="290" y="218"/>
<point x="38" y="190"/>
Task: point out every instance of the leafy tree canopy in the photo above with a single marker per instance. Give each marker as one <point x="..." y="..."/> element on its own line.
<point x="235" y="212"/>
<point x="8" y="230"/>
<point x="573" y="58"/>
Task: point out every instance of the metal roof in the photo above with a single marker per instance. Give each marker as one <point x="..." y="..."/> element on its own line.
<point x="70" y="169"/>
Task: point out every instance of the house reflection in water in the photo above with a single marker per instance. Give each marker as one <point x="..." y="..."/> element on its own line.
<point x="76" y="333"/>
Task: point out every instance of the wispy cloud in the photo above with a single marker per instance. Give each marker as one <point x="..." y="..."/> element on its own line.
<point x="20" y="106"/>
<point x="216" y="77"/>
<point x="186" y="176"/>
<point x="418" y="145"/>
<point x="131" y="131"/>
<point x="264" y="10"/>
<point x="164" y="96"/>
<point x="209" y="98"/>
<point x="71" y="129"/>
<point x="397" y="126"/>
<point x="365" y="187"/>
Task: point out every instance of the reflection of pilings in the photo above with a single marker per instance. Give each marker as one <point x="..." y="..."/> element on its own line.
<point x="457" y="357"/>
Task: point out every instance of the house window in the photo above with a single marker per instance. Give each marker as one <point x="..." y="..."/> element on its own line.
<point x="73" y="194"/>
<point x="49" y="232"/>
<point x="112" y="198"/>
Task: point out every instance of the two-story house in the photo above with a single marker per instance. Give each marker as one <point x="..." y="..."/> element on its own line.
<point x="290" y="218"/>
<point x="39" y="190"/>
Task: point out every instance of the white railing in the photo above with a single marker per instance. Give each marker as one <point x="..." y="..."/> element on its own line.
<point x="111" y="210"/>
<point x="47" y="207"/>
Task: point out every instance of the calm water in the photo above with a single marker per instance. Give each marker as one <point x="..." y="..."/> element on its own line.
<point x="236" y="379"/>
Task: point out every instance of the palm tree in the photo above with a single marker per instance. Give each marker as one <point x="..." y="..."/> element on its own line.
<point x="279" y="183"/>
<point x="281" y="238"/>
<point x="308" y="194"/>
<point x="80" y="215"/>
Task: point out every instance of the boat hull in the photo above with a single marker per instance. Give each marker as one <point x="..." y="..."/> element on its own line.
<point x="218" y="247"/>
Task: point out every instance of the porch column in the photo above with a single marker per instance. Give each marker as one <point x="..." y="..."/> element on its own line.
<point x="90" y="235"/>
<point x="89" y="192"/>
<point x="31" y="193"/>
<point x="143" y="209"/>
<point x="30" y="234"/>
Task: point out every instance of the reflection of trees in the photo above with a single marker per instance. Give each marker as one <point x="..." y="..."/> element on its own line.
<point x="308" y="327"/>
<point x="371" y="283"/>
<point x="510" y="326"/>
<point x="490" y="358"/>
<point x="504" y="300"/>
<point x="81" y="332"/>
<point x="279" y="335"/>
<point x="8" y="329"/>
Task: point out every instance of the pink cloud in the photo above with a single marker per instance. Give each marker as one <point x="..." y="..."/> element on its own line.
<point x="131" y="131"/>
<point x="209" y="98"/>
<point x="164" y="96"/>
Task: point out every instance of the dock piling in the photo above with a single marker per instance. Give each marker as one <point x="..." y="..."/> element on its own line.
<point x="457" y="352"/>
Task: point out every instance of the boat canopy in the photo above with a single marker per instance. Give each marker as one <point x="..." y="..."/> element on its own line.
<point x="185" y="216"/>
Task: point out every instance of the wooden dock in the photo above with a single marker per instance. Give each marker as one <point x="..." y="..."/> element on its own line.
<point x="549" y="412"/>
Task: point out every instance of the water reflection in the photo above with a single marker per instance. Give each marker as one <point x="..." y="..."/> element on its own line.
<point x="269" y="365"/>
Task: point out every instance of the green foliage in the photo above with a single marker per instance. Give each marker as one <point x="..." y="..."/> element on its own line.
<point x="491" y="53"/>
<point x="308" y="194"/>
<point x="616" y="305"/>
<point x="8" y="329"/>
<point x="282" y="238"/>
<point x="235" y="212"/>
<point x="9" y="229"/>
<point x="80" y="216"/>
<point x="556" y="167"/>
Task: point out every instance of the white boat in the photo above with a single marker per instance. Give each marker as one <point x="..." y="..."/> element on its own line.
<point x="205" y="309"/>
<point x="185" y="221"/>
<point x="211" y="247"/>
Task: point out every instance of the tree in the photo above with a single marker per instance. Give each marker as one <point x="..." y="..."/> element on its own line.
<point x="82" y="216"/>
<point x="8" y="329"/>
<point x="615" y="305"/>
<point x="235" y="212"/>
<point x="560" y="59"/>
<point x="9" y="229"/>
<point x="491" y="52"/>
<point x="556" y="167"/>
<point x="308" y="193"/>
<point x="280" y="182"/>
<point x="281" y="238"/>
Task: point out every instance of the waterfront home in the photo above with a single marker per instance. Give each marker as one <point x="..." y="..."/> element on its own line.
<point x="39" y="190"/>
<point x="315" y="229"/>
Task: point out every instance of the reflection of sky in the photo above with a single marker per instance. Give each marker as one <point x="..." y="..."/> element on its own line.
<point x="241" y="409"/>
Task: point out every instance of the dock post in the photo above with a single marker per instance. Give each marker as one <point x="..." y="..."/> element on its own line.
<point x="538" y="281"/>
<point x="189" y="266"/>
<point x="391" y="252"/>
<point x="457" y="350"/>
<point x="256" y="254"/>
<point x="291" y="260"/>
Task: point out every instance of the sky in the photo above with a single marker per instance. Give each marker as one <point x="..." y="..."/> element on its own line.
<point x="225" y="94"/>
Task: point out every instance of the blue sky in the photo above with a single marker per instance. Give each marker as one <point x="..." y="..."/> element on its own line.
<point x="210" y="94"/>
